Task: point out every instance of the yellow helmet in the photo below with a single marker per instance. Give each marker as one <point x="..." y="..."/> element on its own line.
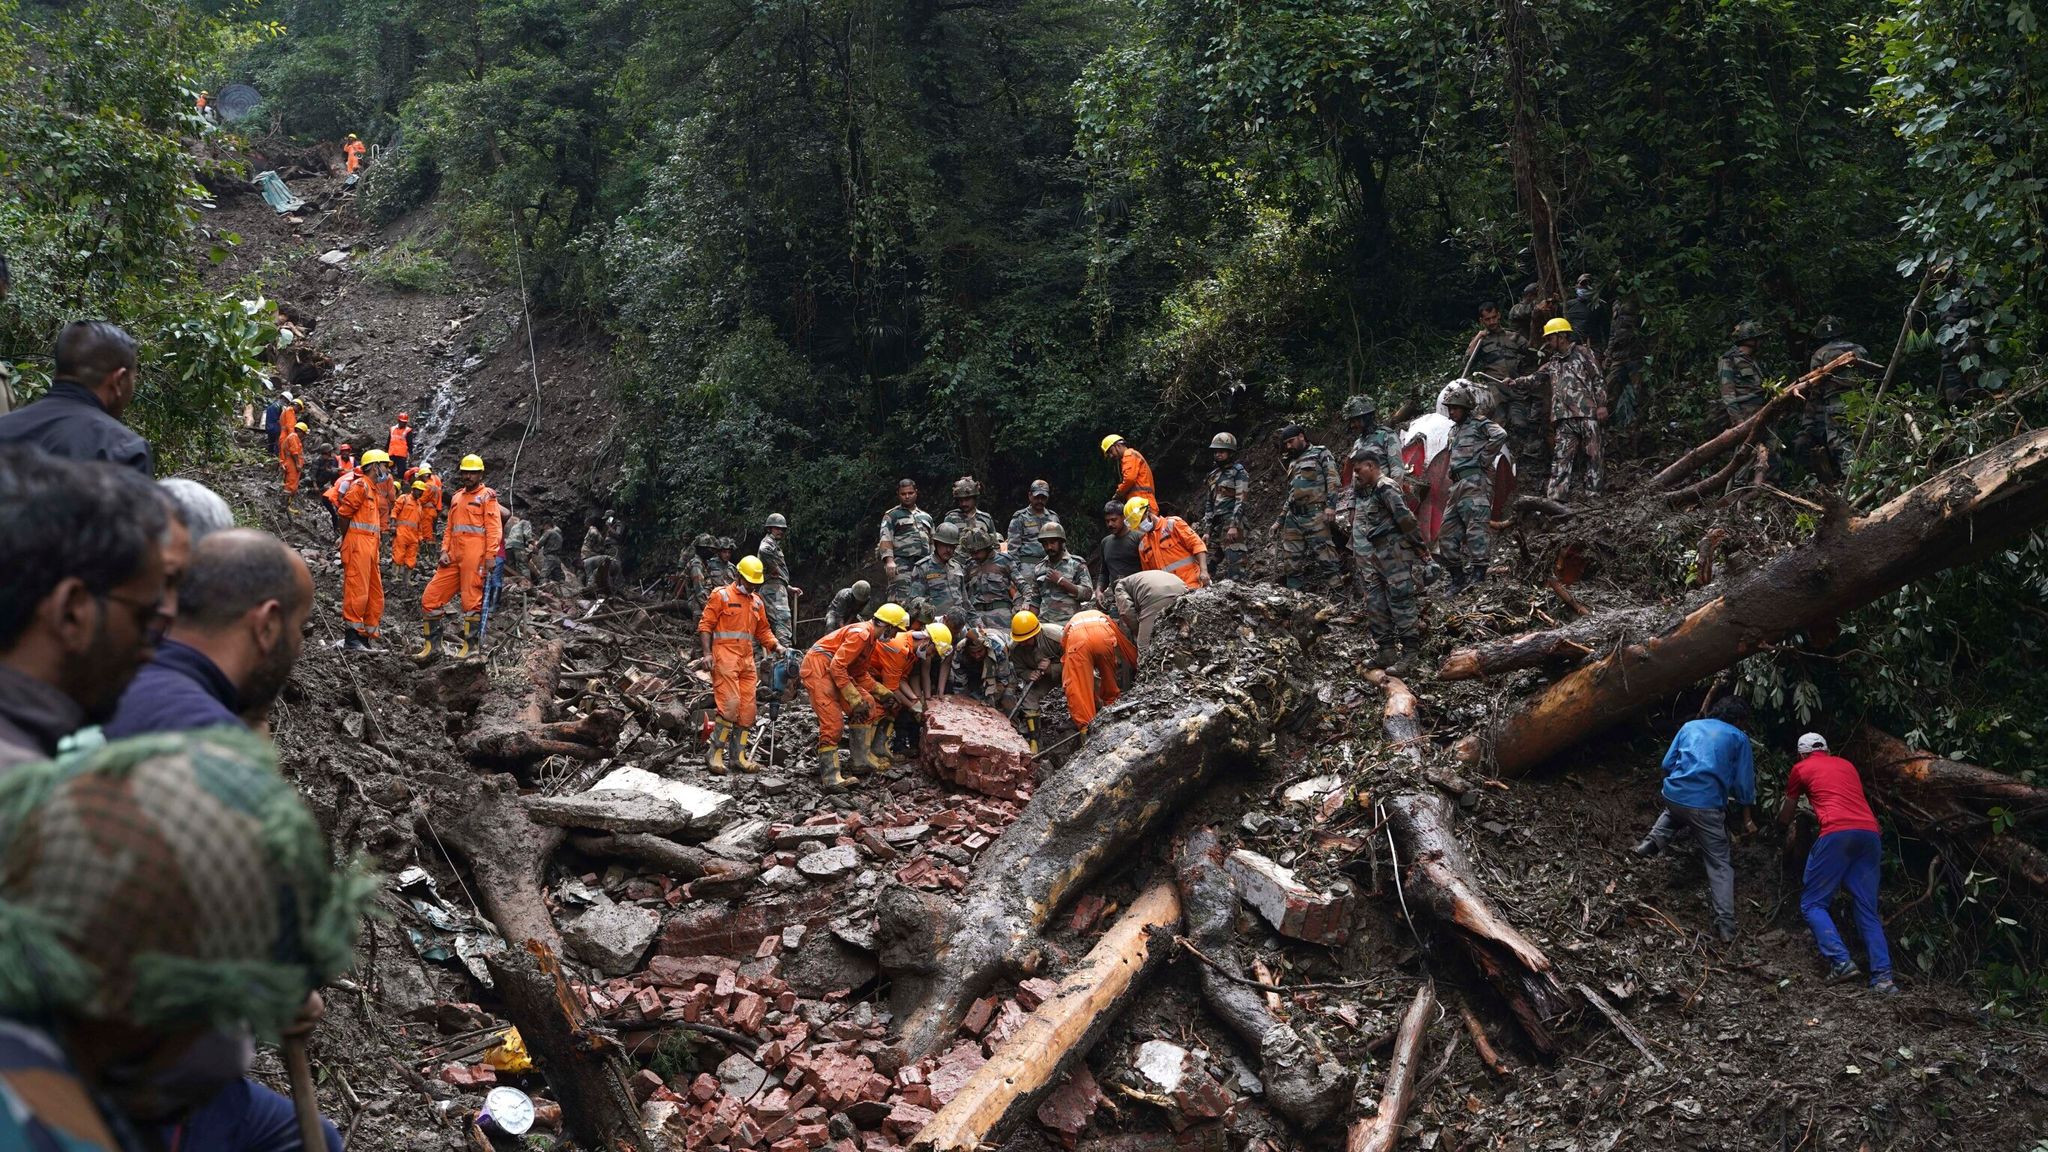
<point x="1556" y="325"/>
<point x="750" y="569"/>
<point x="940" y="636"/>
<point x="1109" y="440"/>
<point x="425" y="469"/>
<point x="893" y="615"/>
<point x="1135" y="509"/>
<point x="374" y="456"/>
<point x="1023" y="626"/>
<point x="302" y="426"/>
<point x="472" y="463"/>
<point x="419" y="485"/>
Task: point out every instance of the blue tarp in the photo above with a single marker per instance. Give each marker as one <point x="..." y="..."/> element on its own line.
<point x="277" y="193"/>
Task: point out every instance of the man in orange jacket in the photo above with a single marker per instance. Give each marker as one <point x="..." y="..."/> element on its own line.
<point x="468" y="548"/>
<point x="399" y="446"/>
<point x="839" y="674"/>
<point x="733" y="621"/>
<point x="387" y="497"/>
<point x="1134" y="476"/>
<point x="895" y="658"/>
<point x="362" y="580"/>
<point x="1167" y="544"/>
<point x="352" y="153"/>
<point x="411" y="521"/>
<point x="1094" y="646"/>
<point x="432" y="502"/>
<point x="291" y="456"/>
<point x="288" y="415"/>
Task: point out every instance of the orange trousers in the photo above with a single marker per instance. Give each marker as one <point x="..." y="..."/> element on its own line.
<point x="291" y="478"/>
<point x="362" y="583"/>
<point x="457" y="572"/>
<point x="405" y="547"/>
<point x="733" y="681"/>
<point x="1093" y="645"/>
<point x="816" y="671"/>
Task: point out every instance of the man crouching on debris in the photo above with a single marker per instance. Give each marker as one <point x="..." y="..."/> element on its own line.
<point x="1709" y="764"/>
<point x="1847" y="855"/>
<point x="839" y="673"/>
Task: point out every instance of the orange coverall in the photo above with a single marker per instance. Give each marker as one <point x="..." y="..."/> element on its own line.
<point x="387" y="500"/>
<point x="362" y="580"/>
<point x="287" y="421"/>
<point x="291" y="454"/>
<point x="474" y="532"/>
<point x="1093" y="644"/>
<point x="399" y="447"/>
<point x="353" y="152"/>
<point x="736" y="619"/>
<point x="1172" y="546"/>
<point x="893" y="660"/>
<point x="842" y="660"/>
<point x="411" y="521"/>
<point x="1135" y="478"/>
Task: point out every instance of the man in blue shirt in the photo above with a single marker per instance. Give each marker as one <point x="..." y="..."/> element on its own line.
<point x="1709" y="764"/>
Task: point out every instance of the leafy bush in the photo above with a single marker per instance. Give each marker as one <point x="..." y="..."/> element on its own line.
<point x="412" y="267"/>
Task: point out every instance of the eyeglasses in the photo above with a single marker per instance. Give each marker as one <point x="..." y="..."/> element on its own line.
<point x="151" y="617"/>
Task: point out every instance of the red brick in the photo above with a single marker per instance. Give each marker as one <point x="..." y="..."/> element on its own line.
<point x="748" y="1010"/>
<point x="468" y="1075"/>
<point x="718" y="930"/>
<point x="973" y="745"/>
<point x="771" y="1107"/>
<point x="1087" y="910"/>
<point x="785" y="1002"/>
<point x="906" y="1120"/>
<point x="1035" y="991"/>
<point x="704" y="1088"/>
<point x="1069" y="1107"/>
<point x="728" y="982"/>
<point x="954" y="1068"/>
<point x="768" y="946"/>
<point x="978" y="1016"/>
<point x="683" y="971"/>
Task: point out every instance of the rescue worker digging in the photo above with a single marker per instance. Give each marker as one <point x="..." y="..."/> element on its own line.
<point x="1095" y="648"/>
<point x="895" y="659"/>
<point x="468" y="547"/>
<point x="839" y="674"/>
<point x="734" y="620"/>
<point x="362" y="577"/>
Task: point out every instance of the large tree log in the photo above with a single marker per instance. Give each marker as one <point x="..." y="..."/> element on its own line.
<point x="1969" y="511"/>
<point x="584" y="1065"/>
<point x="484" y="819"/>
<point x="1143" y="758"/>
<point x="1948" y="799"/>
<point x="512" y="731"/>
<point x="1058" y="1031"/>
<point x="1738" y="434"/>
<point x="1574" y="641"/>
<point x="1301" y="1081"/>
<point x="1381" y="1131"/>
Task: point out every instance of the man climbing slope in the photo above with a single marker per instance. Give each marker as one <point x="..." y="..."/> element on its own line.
<point x="362" y="575"/>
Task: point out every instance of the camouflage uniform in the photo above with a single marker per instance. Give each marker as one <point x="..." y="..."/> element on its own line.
<point x="1052" y="603"/>
<point x="1820" y="426"/>
<point x="938" y="588"/>
<point x="1027" y="555"/>
<point x="1227" y="487"/>
<point x="1388" y="442"/>
<point x="1625" y="351"/>
<point x="775" y="591"/>
<point x="1576" y="394"/>
<point x="718" y="571"/>
<point x="1742" y="384"/>
<point x="1308" y="556"/>
<point x="991" y="591"/>
<point x="1463" y="543"/>
<point x="962" y="521"/>
<point x="1501" y="355"/>
<point x="907" y="535"/>
<point x="1384" y="537"/>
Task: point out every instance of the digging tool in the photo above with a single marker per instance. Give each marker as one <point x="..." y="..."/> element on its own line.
<point x="1064" y="741"/>
<point x="304" y="1102"/>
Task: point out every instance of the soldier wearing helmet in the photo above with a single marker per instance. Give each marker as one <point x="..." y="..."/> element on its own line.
<point x="1819" y="442"/>
<point x="1026" y="555"/>
<point x="1742" y="382"/>
<point x="936" y="581"/>
<point x="1223" y="508"/>
<point x="1308" y="552"/>
<point x="1060" y="585"/>
<point x="1476" y="448"/>
<point x="991" y="587"/>
<point x="1578" y="406"/>
<point x="1362" y="417"/>
<point x="776" y="590"/>
<point x="966" y="513"/>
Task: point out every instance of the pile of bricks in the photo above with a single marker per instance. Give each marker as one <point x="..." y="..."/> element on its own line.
<point x="974" y="746"/>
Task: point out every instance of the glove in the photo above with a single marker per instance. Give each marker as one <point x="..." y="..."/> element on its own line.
<point x="885" y="693"/>
<point x="850" y="696"/>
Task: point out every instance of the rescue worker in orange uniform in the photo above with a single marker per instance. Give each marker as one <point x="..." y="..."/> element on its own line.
<point x="1167" y="543"/>
<point x="468" y="547"/>
<point x="399" y="446"/>
<point x="288" y="417"/>
<point x="432" y="503"/>
<point x="895" y="659"/>
<point x="411" y="520"/>
<point x="387" y="497"/>
<point x="352" y="154"/>
<point x="291" y="456"/>
<point x="839" y="674"/>
<point x="1094" y="647"/>
<point x="1134" y="476"/>
<point x="733" y="621"/>
<point x="362" y="579"/>
<point x="344" y="467"/>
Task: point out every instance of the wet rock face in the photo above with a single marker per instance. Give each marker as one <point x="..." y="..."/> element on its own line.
<point x="974" y="746"/>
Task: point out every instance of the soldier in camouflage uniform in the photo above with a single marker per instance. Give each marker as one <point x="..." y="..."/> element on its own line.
<point x="776" y="589"/>
<point x="965" y="515"/>
<point x="1500" y="353"/>
<point x="692" y="585"/>
<point x="1578" y="403"/>
<point x="1308" y="554"/>
<point x="1522" y="317"/>
<point x="935" y="581"/>
<point x="1060" y="586"/>
<point x="1362" y="416"/>
<point x="1476" y="443"/>
<point x="1742" y="382"/>
<point x="1624" y="361"/>
<point x="1820" y="428"/>
<point x="1026" y="556"/>
<point x="720" y="570"/>
<point x="905" y="539"/>
<point x="991" y="587"/>
<point x="1385" y="540"/>
<point x="1223" y="529"/>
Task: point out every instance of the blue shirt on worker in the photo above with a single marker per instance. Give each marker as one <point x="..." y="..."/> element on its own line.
<point x="1709" y="764"/>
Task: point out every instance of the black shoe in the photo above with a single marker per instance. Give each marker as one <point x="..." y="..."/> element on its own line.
<point x="1846" y="970"/>
<point x="1884" y="987"/>
<point x="1645" y="850"/>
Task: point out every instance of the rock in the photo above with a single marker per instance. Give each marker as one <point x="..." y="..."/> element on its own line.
<point x="824" y="964"/>
<point x="831" y="863"/>
<point x="1313" y="789"/>
<point x="1162" y="1063"/>
<point x="973" y="745"/>
<point x="740" y="840"/>
<point x="708" y="810"/>
<point x="1068" y="1109"/>
<point x="813" y="834"/>
<point x="611" y="812"/>
<point x="772" y="785"/>
<point x="610" y="937"/>
<point x="1292" y="909"/>
<point x="352" y="723"/>
<point x="741" y="1078"/>
<point x="333" y="257"/>
<point x="716" y="930"/>
<point x="783" y="878"/>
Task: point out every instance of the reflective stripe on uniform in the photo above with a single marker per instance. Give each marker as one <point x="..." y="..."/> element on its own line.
<point x="470" y="529"/>
<point x="362" y="526"/>
<point x="732" y="635"/>
<point x="1179" y="564"/>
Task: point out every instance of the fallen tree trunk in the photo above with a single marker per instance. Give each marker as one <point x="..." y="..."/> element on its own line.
<point x="507" y="853"/>
<point x="1694" y="493"/>
<point x="1402" y="719"/>
<point x="678" y="860"/>
<point x="513" y="732"/>
<point x="1058" y="1032"/>
<point x="1381" y="1131"/>
<point x="1949" y="799"/>
<point x="1301" y="1081"/>
<point x="584" y="1065"/>
<point x="1736" y="435"/>
<point x="1143" y="758"/>
<point x="1575" y="641"/>
<point x="1967" y="512"/>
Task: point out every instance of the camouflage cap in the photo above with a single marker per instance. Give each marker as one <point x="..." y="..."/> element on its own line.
<point x="976" y="540"/>
<point x="168" y="881"/>
<point x="1829" y="328"/>
<point x="1748" y="330"/>
<point x="1041" y="488"/>
<point x="725" y="542"/>
<point x="1359" y="407"/>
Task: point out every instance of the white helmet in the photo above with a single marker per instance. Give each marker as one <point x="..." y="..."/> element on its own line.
<point x="1812" y="742"/>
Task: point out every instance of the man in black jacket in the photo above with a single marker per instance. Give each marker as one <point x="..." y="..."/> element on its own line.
<point x="79" y="418"/>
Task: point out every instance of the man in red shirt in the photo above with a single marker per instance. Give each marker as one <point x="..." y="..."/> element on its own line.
<point x="1845" y="856"/>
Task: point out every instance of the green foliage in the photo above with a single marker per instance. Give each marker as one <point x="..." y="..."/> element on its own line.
<point x="412" y="267"/>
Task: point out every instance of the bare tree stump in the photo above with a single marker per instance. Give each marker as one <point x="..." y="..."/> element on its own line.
<point x="486" y="822"/>
<point x="513" y="732"/>
<point x="1574" y="641"/>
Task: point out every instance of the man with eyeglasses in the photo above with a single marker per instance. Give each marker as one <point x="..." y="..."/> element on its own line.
<point x="82" y="594"/>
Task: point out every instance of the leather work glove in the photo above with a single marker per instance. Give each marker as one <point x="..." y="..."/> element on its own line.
<point x="850" y="696"/>
<point x="885" y="693"/>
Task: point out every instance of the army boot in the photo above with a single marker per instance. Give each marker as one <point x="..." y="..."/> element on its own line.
<point x="720" y="732"/>
<point x="860" y="747"/>
<point x="431" y="629"/>
<point x="829" y="778"/>
<point x="745" y="738"/>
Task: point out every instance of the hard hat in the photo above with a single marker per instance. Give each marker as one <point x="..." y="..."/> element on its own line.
<point x="1223" y="442"/>
<point x="402" y="417"/>
<point x="344" y="448"/>
<point x="1109" y="440"/>
<point x="1041" y="488"/>
<point x="940" y="636"/>
<point x="426" y="469"/>
<point x="775" y="520"/>
<point x="1135" y="509"/>
<point x="1828" y="328"/>
<point x="1054" y="530"/>
<point x="1812" y="742"/>
<point x="861" y="588"/>
<point x="1359" y="407"/>
<point x="1289" y="431"/>
<point x="1373" y="452"/>
<point x="375" y="456"/>
<point x="302" y="426"/>
<point x="472" y="463"/>
<point x="1556" y="324"/>
<point x="946" y="534"/>
<point x="704" y="540"/>
<point x="351" y="135"/>
<point x="1458" y="395"/>
<point x="750" y="569"/>
<point x="1023" y="626"/>
<point x="1748" y="330"/>
<point x="893" y="615"/>
<point x="965" y="486"/>
<point x="419" y="485"/>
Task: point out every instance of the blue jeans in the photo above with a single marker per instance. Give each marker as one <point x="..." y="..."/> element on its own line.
<point x="245" y="1117"/>
<point x="1846" y="860"/>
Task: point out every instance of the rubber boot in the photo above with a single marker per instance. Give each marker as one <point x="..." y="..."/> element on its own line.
<point x="879" y="750"/>
<point x="1031" y="729"/>
<point x="860" y="744"/>
<point x="720" y="732"/>
<point x="745" y="737"/>
<point x="459" y="648"/>
<point x="829" y="778"/>
<point x="431" y="629"/>
<point x="352" y="641"/>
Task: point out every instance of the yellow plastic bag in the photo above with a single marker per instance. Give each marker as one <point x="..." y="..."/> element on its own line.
<point x="510" y="1054"/>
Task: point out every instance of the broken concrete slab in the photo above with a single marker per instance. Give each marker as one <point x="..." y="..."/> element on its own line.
<point x="1162" y="1063"/>
<point x="741" y="1078"/>
<point x="1290" y="907"/>
<point x="973" y="745"/>
<point x="610" y="937"/>
<point x="783" y="878"/>
<point x="611" y="812"/>
<point x="740" y="840"/>
<point x="708" y="810"/>
<point x="830" y="864"/>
